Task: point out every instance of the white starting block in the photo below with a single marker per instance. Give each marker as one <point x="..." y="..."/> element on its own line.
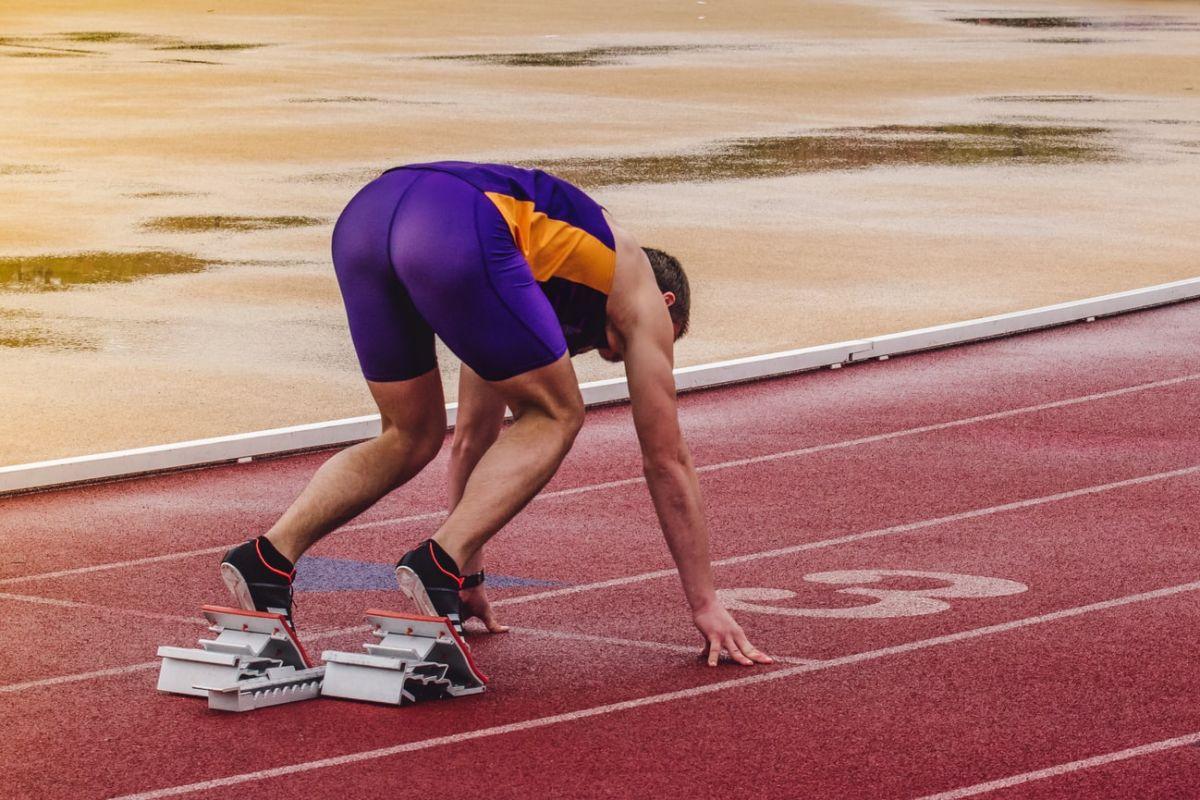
<point x="256" y="661"/>
<point x="418" y="658"/>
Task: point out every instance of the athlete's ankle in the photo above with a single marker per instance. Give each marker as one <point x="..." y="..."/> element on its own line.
<point x="453" y="550"/>
<point x="284" y="547"/>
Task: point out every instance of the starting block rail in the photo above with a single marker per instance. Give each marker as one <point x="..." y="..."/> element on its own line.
<point x="257" y="661"/>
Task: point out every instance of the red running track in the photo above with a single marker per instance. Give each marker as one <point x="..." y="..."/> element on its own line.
<point x="1050" y="483"/>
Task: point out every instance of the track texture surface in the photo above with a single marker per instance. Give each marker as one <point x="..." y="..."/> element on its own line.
<point x="978" y="568"/>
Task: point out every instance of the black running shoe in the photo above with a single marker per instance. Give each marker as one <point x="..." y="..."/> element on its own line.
<point x="259" y="577"/>
<point x="429" y="578"/>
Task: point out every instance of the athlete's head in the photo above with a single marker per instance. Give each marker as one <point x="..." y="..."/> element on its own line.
<point x="673" y="283"/>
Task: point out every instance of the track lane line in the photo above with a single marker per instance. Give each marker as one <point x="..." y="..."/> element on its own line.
<point x="782" y="551"/>
<point x="644" y="644"/>
<point x="57" y="680"/>
<point x="758" y="677"/>
<point x="131" y="612"/>
<point x="1069" y="767"/>
<point x="595" y="487"/>
<point x="892" y="530"/>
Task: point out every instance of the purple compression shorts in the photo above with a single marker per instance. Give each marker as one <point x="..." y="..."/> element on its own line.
<point x="419" y="252"/>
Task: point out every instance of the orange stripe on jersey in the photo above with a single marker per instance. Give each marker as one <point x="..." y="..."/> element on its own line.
<point x="557" y="249"/>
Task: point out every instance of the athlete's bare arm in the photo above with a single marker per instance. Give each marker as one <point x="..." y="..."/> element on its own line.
<point x="644" y="337"/>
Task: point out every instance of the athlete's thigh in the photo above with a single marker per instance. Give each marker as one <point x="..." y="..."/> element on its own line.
<point x="454" y="252"/>
<point x="552" y="389"/>
<point x="416" y="406"/>
<point x="392" y="339"/>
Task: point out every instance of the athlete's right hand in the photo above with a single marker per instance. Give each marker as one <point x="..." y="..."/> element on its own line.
<point x="475" y="604"/>
<point x="721" y="632"/>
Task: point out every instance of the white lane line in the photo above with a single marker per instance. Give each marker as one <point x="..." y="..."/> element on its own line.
<point x="643" y="644"/>
<point x="80" y="676"/>
<point x="364" y="628"/>
<point x="907" y="527"/>
<point x="595" y="487"/>
<point x="138" y="562"/>
<point x="736" y="683"/>
<point x="957" y="423"/>
<point x="135" y="562"/>
<point x="130" y="612"/>
<point x="895" y="529"/>
<point x="362" y="526"/>
<point x="57" y="680"/>
<point x="1070" y="766"/>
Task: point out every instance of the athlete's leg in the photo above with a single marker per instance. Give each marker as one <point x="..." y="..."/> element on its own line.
<point x="548" y="413"/>
<point x="480" y="416"/>
<point x="479" y="294"/>
<point x="394" y="345"/>
<point x="414" y="426"/>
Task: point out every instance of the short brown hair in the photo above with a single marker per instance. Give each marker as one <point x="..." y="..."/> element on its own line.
<point x="669" y="274"/>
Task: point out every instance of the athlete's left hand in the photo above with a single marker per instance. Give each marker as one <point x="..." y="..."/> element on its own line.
<point x="721" y="632"/>
<point x="475" y="604"/>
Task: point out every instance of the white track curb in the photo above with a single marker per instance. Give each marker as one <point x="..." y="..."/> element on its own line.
<point x="220" y="449"/>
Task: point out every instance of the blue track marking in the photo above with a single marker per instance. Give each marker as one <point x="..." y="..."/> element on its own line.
<point x="314" y="574"/>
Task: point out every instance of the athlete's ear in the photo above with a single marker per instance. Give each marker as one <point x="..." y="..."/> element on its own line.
<point x="670" y="298"/>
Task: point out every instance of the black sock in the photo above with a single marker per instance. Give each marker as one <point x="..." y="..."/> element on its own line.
<point x="273" y="558"/>
<point x="432" y="564"/>
<point x="443" y="558"/>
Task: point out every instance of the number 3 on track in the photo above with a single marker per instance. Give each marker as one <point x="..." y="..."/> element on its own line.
<point x="888" y="602"/>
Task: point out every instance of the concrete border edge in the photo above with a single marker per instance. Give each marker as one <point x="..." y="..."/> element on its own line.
<point x="279" y="441"/>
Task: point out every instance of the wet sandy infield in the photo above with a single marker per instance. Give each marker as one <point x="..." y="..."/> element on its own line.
<point x="826" y="172"/>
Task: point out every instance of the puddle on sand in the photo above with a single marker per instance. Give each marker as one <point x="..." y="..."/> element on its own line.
<point x="209" y="224"/>
<point x="590" y="57"/>
<point x="17" y="329"/>
<point x="44" y="339"/>
<point x="1140" y="23"/>
<point x="846" y="149"/>
<point x="58" y="272"/>
<point x="345" y="99"/>
<point x="1073" y="40"/>
<point x="217" y="46"/>
<point x="26" y="47"/>
<point x="111" y="37"/>
<point x="54" y="45"/>
<point x="26" y="169"/>
<point x="41" y="54"/>
<point x="152" y="195"/>
<point x="359" y="177"/>
<point x="1049" y="98"/>
<point x="157" y="41"/>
